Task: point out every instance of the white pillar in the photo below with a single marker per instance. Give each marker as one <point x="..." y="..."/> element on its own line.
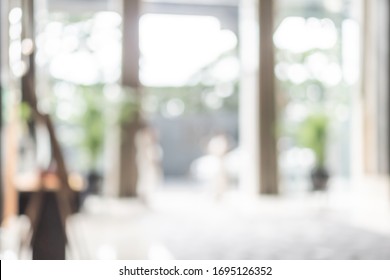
<point x="249" y="98"/>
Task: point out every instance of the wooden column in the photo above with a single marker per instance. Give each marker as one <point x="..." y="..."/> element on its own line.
<point x="267" y="106"/>
<point x="257" y="98"/>
<point x="128" y="171"/>
<point x="130" y="51"/>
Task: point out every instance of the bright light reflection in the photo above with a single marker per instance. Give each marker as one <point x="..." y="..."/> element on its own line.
<point x="15" y="15"/>
<point x="79" y="68"/>
<point x="297" y="73"/>
<point x="316" y="62"/>
<point x="85" y="52"/>
<point x="351" y="50"/>
<point x="298" y="34"/>
<point x="226" y="70"/>
<point x="332" y="74"/>
<point x="174" y="108"/>
<point x="174" y="47"/>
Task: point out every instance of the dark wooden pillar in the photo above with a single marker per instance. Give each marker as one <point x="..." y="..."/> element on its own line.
<point x="267" y="106"/>
<point x="128" y="171"/>
<point x="130" y="51"/>
<point x="49" y="237"/>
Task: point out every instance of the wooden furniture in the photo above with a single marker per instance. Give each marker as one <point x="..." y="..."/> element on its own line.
<point x="48" y="199"/>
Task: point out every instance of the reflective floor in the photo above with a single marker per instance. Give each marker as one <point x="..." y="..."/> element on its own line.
<point x="190" y="223"/>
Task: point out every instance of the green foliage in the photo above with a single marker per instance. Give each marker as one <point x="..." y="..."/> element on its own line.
<point x="313" y="95"/>
<point x="312" y="134"/>
<point x="24" y="111"/>
<point x="92" y="122"/>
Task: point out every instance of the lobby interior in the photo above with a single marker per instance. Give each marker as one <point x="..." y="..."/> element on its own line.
<point x="195" y="129"/>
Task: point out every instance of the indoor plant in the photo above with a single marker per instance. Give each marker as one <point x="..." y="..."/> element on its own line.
<point x="312" y="134"/>
<point x="93" y="124"/>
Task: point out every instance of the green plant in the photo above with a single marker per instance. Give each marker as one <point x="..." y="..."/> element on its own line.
<point x="312" y="134"/>
<point x="24" y="112"/>
<point x="93" y="124"/>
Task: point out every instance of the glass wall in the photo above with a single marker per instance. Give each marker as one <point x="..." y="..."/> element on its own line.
<point x="317" y="69"/>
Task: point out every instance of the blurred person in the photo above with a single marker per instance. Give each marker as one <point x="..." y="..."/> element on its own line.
<point x="218" y="148"/>
<point x="149" y="158"/>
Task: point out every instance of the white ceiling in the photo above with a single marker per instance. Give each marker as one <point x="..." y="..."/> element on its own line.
<point x="197" y="2"/>
<point x="96" y="5"/>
